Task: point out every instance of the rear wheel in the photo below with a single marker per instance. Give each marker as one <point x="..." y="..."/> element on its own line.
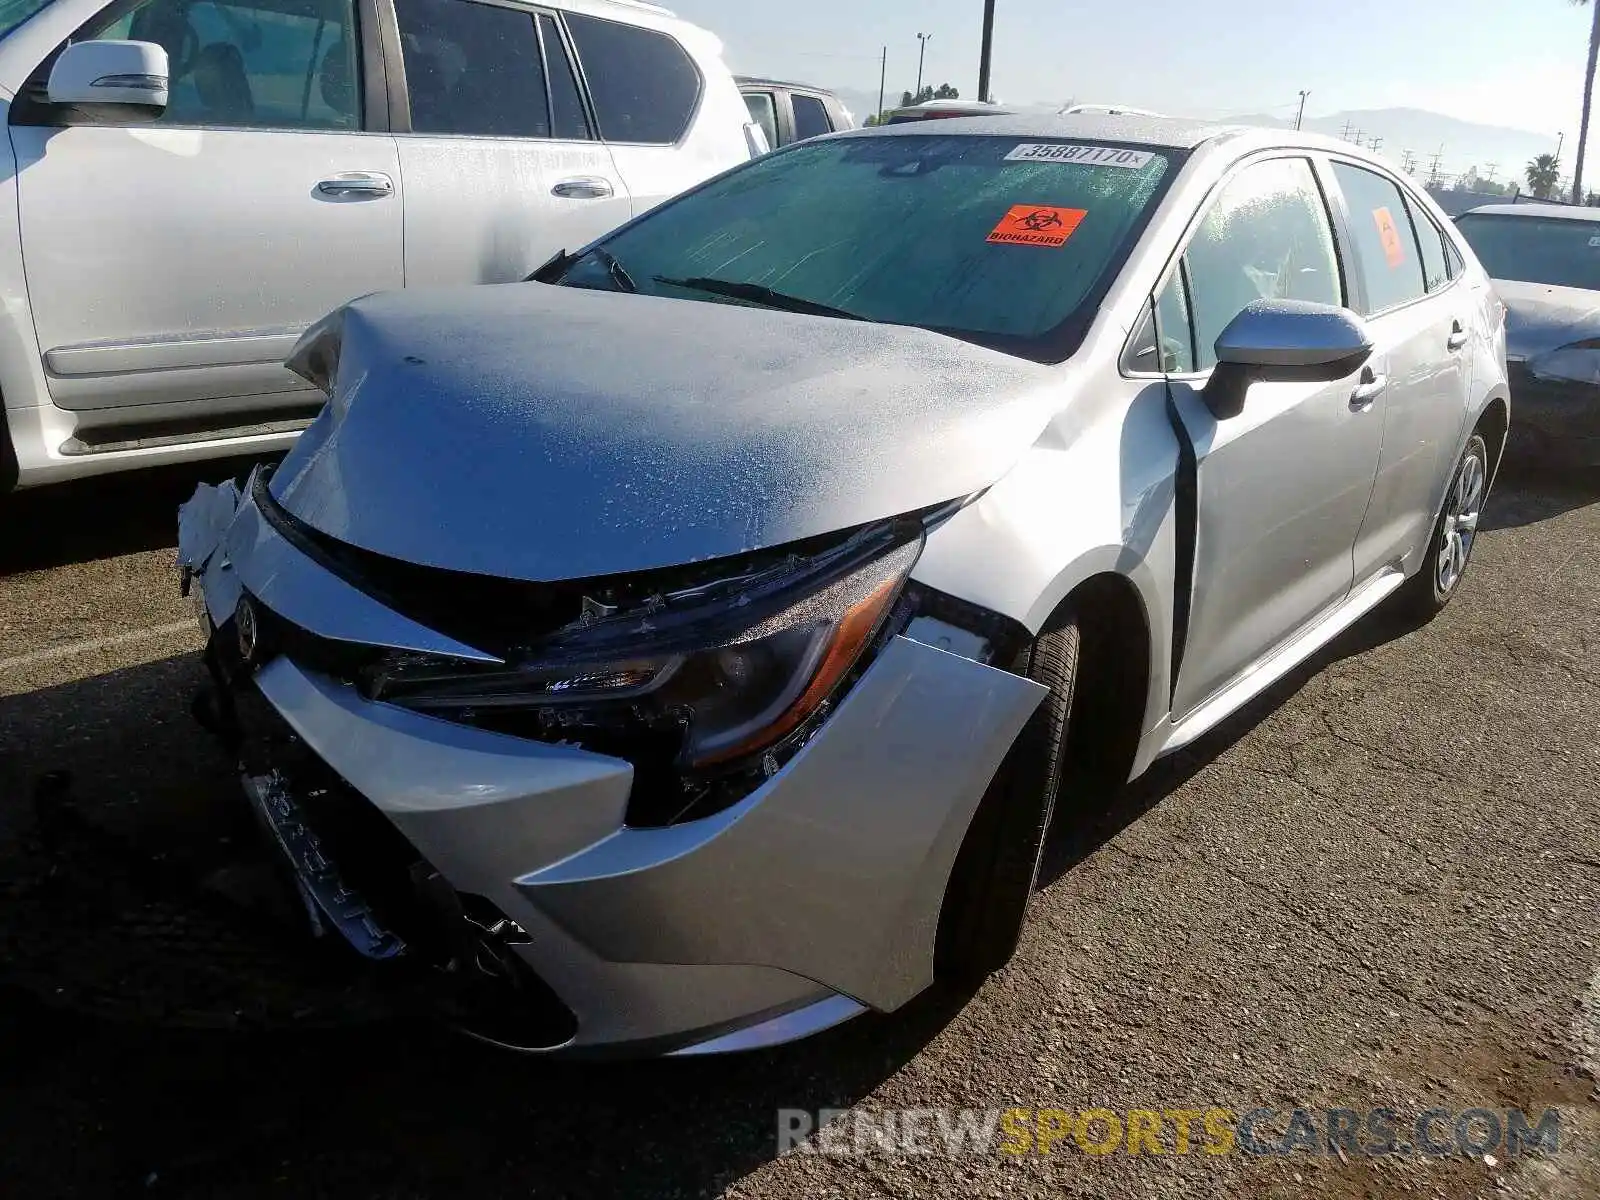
<point x="1455" y="533"/>
<point x="997" y="867"/>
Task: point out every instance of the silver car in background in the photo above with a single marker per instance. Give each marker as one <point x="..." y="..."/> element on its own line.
<point x="1545" y="262"/>
<point x="691" y="648"/>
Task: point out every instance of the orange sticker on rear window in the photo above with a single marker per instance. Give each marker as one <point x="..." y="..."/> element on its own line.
<point x="1393" y="248"/>
<point x="1037" y="225"/>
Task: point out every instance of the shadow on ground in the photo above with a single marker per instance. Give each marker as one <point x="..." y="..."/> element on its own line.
<point x="98" y="1107"/>
<point x="101" y="517"/>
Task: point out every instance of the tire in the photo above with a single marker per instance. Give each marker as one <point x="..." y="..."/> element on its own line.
<point x="997" y="867"/>
<point x="8" y="458"/>
<point x="1455" y="533"/>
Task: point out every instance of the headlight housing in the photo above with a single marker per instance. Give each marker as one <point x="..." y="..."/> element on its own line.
<point x="1578" y="362"/>
<point x="731" y="677"/>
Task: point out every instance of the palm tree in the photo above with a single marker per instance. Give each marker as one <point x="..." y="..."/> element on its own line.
<point x="1588" y="100"/>
<point x="1543" y="173"/>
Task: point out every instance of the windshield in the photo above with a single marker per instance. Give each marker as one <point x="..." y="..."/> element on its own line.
<point x="994" y="239"/>
<point x="1552" y="250"/>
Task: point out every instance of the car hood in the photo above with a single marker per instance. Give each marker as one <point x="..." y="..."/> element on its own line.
<point x="1540" y="317"/>
<point x="545" y="433"/>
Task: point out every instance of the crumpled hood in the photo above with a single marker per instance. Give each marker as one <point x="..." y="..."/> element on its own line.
<point x="543" y="433"/>
<point x="1540" y="317"/>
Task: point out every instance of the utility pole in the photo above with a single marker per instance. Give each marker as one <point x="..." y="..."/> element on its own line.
<point x="922" y="52"/>
<point x="1375" y="144"/>
<point x="1355" y="136"/>
<point x="883" y="79"/>
<point x="1408" y="161"/>
<point x="1345" y="132"/>
<point x="1433" y="168"/>
<point x="1560" y="141"/>
<point x="1488" y="172"/>
<point x="1301" y="114"/>
<point x="987" y="52"/>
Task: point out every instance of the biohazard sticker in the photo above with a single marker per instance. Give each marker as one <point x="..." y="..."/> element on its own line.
<point x="1037" y="225"/>
<point x="1394" y="250"/>
<point x="1089" y="156"/>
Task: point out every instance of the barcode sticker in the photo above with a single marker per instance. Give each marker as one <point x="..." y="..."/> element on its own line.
<point x="1089" y="156"/>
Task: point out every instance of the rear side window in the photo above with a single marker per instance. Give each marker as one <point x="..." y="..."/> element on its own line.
<point x="810" y="118"/>
<point x="644" y="85"/>
<point x="1385" y="241"/>
<point x="1436" y="272"/>
<point x="473" y="69"/>
<point x="567" y="119"/>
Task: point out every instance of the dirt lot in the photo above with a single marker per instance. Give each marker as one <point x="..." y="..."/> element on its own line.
<point x="1377" y="888"/>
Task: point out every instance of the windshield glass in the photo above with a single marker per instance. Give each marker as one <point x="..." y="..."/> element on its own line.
<point x="15" y="12"/>
<point x="1550" y="250"/>
<point x="1001" y="241"/>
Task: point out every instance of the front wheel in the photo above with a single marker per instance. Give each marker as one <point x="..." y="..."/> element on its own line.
<point x="997" y="867"/>
<point x="1455" y="533"/>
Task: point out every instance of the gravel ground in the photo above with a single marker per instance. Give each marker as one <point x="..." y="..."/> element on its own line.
<point x="1377" y="888"/>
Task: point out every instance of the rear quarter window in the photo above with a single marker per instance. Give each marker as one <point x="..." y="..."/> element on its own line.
<point x="644" y="84"/>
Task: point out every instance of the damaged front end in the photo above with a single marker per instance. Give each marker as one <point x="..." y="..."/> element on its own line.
<point x="706" y="807"/>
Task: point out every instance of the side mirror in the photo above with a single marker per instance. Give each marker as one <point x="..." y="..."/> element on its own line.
<point x="111" y="79"/>
<point x="1280" y="340"/>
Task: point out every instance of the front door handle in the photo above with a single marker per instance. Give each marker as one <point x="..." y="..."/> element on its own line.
<point x="357" y="183"/>
<point x="1457" y="338"/>
<point x="1368" y="390"/>
<point x="583" y="187"/>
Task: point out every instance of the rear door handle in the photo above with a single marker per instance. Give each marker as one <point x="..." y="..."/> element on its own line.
<point x="1458" y="337"/>
<point x="357" y="183"/>
<point x="584" y="187"/>
<point x="1368" y="390"/>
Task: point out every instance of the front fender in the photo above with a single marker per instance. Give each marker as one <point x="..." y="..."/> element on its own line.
<point x="1092" y="501"/>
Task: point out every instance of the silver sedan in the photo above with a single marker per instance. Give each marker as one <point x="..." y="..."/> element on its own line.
<point x="690" y="648"/>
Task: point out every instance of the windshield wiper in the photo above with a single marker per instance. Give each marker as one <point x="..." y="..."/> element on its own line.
<point x="619" y="274"/>
<point x="758" y="293"/>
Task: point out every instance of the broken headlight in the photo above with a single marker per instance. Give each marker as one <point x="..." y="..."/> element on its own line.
<point x="730" y="687"/>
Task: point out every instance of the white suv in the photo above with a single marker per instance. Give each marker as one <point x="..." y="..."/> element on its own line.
<point x="196" y="181"/>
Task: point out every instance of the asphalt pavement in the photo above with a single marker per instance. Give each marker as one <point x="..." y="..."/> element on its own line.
<point x="1377" y="888"/>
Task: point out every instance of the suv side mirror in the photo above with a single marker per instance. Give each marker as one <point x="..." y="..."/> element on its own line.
<point x="113" y="80"/>
<point x="1273" y="340"/>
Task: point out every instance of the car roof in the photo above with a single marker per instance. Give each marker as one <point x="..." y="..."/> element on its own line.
<point x="1170" y="132"/>
<point x="1568" y="212"/>
<point x="763" y="81"/>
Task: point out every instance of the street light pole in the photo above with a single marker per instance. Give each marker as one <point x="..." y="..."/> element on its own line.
<point x="1302" y="112"/>
<point x="922" y="52"/>
<point x="987" y="52"/>
<point x="883" y="76"/>
<point x="1560" y="141"/>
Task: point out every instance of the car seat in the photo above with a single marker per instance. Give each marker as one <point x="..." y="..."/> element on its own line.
<point x="221" y="83"/>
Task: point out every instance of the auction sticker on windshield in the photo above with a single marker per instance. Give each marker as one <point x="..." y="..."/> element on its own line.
<point x="1037" y="225"/>
<point x="1091" y="156"/>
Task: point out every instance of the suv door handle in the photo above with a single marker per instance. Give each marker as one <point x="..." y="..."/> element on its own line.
<point x="1368" y="390"/>
<point x="1457" y="338"/>
<point x="357" y="183"/>
<point x="583" y="187"/>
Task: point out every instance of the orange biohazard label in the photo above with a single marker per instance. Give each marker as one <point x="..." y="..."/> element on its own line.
<point x="1393" y="248"/>
<point x="1037" y="225"/>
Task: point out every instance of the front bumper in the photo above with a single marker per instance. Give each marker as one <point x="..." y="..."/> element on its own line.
<point x="813" y="898"/>
<point x="1563" y="415"/>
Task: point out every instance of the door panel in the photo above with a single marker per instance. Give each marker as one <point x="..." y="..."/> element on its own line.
<point x="152" y="252"/>
<point x="500" y="170"/>
<point x="1281" y="488"/>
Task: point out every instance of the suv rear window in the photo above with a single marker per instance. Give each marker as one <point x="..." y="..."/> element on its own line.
<point x="644" y="85"/>
<point x="947" y="233"/>
<point x="1549" y="250"/>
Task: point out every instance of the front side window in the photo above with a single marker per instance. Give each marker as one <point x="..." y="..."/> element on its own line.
<point x="996" y="240"/>
<point x="1266" y="236"/>
<point x="810" y="117"/>
<point x="645" y="86"/>
<point x="1385" y="241"/>
<point x="473" y="69"/>
<point x="1549" y="250"/>
<point x="235" y="64"/>
<point x="764" y="113"/>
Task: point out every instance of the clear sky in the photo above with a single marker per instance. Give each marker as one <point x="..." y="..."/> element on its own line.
<point x="1516" y="63"/>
